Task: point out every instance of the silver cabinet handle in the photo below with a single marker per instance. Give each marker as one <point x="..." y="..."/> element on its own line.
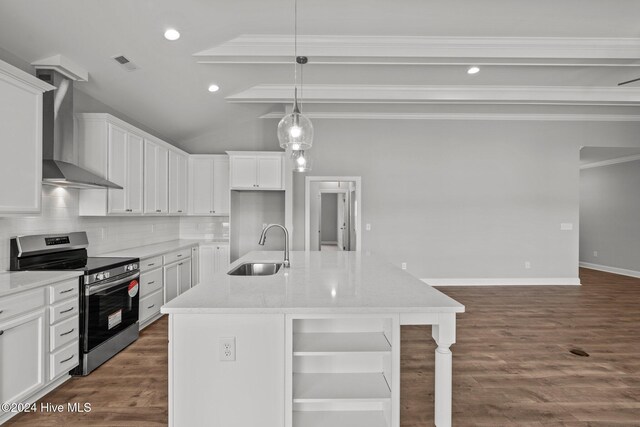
<point x="66" y="360"/>
<point x="1" y="333"/>
<point x="67" y="333"/>
<point x="181" y="263"/>
<point x="158" y="210"/>
<point x="179" y="255"/>
<point x="1" y="311"/>
<point x="151" y="282"/>
<point x="66" y="311"/>
<point x="151" y="265"/>
<point x="151" y="306"/>
<point x="68" y="290"/>
<point x="179" y="211"/>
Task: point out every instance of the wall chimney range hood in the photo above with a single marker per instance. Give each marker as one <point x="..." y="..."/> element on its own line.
<point x="58" y="149"/>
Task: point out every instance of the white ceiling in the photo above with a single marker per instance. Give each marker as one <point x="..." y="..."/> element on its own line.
<point x="169" y="92"/>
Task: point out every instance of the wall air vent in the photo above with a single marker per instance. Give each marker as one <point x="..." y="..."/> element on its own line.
<point x="125" y="63"/>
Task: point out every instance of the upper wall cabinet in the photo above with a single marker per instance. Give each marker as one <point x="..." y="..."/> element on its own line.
<point x="178" y="182"/>
<point x="129" y="157"/>
<point x="209" y="185"/>
<point x="156" y="178"/>
<point x="20" y="140"/>
<point x="262" y="170"/>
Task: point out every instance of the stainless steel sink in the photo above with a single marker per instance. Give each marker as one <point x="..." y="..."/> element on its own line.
<point x="256" y="269"/>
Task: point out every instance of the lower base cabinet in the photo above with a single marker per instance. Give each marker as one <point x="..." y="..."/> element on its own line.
<point x="22" y="356"/>
<point x="214" y="259"/>
<point x="177" y="279"/>
<point x="150" y="306"/>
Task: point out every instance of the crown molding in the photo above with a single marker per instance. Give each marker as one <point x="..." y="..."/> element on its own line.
<point x="342" y="49"/>
<point x="392" y="94"/>
<point x="461" y="116"/>
<point x="610" y="162"/>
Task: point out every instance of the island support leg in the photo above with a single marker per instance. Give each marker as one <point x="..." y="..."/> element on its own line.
<point x="444" y="333"/>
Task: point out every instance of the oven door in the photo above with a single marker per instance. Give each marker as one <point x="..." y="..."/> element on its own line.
<point x="109" y="308"/>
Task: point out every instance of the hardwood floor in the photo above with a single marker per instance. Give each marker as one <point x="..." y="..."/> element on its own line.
<point x="511" y="363"/>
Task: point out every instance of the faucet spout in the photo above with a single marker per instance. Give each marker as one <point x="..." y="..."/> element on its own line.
<point x="263" y="239"/>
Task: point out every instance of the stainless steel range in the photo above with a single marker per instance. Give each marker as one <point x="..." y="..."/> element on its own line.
<point x="109" y="291"/>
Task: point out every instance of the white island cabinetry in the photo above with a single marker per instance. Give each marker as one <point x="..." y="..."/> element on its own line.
<point x="317" y="344"/>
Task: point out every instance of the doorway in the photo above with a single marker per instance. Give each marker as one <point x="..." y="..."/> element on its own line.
<point x="332" y="213"/>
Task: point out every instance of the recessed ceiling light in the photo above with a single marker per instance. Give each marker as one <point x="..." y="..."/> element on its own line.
<point x="473" y="70"/>
<point x="171" y="34"/>
<point x="214" y="88"/>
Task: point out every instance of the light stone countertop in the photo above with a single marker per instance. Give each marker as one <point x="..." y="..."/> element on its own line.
<point x="317" y="282"/>
<point x="12" y="282"/>
<point x="156" y="249"/>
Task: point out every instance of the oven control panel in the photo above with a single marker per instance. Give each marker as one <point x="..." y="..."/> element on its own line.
<point x="102" y="276"/>
<point x="131" y="267"/>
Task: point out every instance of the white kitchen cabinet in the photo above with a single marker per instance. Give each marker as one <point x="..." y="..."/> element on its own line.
<point x="177" y="279"/>
<point x="178" y="183"/>
<point x="156" y="178"/>
<point x="22" y="356"/>
<point x="21" y="139"/>
<point x="209" y="185"/>
<point x="195" y="265"/>
<point x="256" y="170"/>
<point x="134" y="159"/>
<point x="125" y="168"/>
<point x="214" y="259"/>
<point x="185" y="276"/>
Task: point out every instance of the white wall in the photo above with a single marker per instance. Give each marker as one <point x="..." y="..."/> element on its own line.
<point x="464" y="199"/>
<point x="610" y="215"/>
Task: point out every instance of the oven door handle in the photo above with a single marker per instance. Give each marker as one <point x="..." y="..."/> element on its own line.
<point x="91" y="290"/>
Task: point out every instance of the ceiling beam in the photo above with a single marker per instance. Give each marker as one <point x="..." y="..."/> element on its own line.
<point x="397" y="94"/>
<point x="412" y="50"/>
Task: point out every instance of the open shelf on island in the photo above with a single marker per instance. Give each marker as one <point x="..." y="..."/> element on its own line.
<point x="330" y="343"/>
<point x="339" y="387"/>
<point x="339" y="419"/>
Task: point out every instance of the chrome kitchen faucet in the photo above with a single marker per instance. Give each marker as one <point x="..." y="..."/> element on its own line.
<point x="263" y="239"/>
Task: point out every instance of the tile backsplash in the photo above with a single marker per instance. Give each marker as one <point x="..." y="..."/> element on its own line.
<point x="106" y="234"/>
<point x="204" y="227"/>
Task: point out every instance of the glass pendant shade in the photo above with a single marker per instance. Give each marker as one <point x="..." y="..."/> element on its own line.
<point x="295" y="131"/>
<point x="301" y="161"/>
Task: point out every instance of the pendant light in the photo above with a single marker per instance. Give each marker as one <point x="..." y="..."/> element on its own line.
<point x="295" y="131"/>
<point x="301" y="161"/>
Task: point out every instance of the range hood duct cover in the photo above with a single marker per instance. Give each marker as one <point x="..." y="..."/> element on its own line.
<point x="57" y="138"/>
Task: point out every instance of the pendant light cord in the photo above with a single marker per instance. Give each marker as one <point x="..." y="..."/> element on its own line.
<point x="295" y="51"/>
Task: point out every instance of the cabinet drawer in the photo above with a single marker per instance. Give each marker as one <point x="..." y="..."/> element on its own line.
<point x="150" y="263"/>
<point x="63" y="310"/>
<point x="63" y="360"/>
<point x="64" y="333"/>
<point x="150" y="282"/>
<point x="177" y="256"/>
<point x="150" y="306"/>
<point x="64" y="290"/>
<point x="21" y="303"/>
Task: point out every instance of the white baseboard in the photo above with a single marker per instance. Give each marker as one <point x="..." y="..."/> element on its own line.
<point x="561" y="281"/>
<point x="615" y="270"/>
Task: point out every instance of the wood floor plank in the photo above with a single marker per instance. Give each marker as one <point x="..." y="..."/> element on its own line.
<point x="512" y="365"/>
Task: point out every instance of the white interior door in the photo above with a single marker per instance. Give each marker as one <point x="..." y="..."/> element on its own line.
<point x="340" y="222"/>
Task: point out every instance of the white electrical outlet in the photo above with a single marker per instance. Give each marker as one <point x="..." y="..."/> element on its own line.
<point x="404" y="265"/>
<point x="527" y="265"/>
<point x="595" y="253"/>
<point x="228" y="349"/>
<point x="368" y="227"/>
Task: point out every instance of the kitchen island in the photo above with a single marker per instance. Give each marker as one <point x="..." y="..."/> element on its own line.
<point x="316" y="344"/>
